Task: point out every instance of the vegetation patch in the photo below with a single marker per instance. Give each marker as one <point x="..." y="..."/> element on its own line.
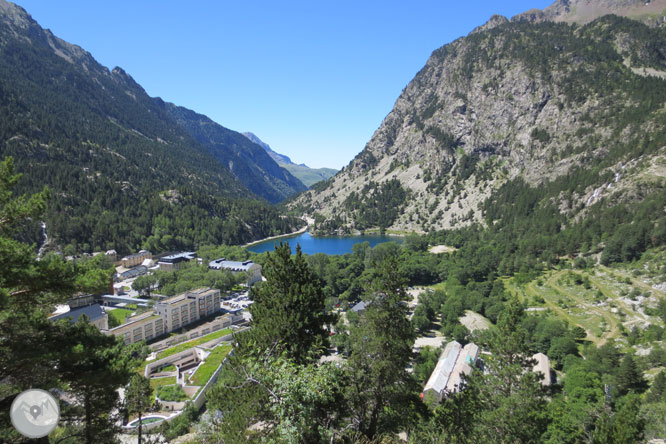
<point x="156" y="383"/>
<point x="118" y="316"/>
<point x="174" y="393"/>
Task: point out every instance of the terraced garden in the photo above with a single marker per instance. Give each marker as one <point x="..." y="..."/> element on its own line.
<point x="193" y="343"/>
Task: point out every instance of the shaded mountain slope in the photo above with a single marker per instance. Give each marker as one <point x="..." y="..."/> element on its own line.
<point x="246" y="160"/>
<point x="120" y="169"/>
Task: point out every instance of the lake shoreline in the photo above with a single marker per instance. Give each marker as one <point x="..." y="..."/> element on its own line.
<point x="279" y="236"/>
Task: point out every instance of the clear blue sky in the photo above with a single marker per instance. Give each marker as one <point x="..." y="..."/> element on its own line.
<point x="313" y="79"/>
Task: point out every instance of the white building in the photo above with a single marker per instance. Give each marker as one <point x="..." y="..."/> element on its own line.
<point x="253" y="270"/>
<point x="454" y="362"/>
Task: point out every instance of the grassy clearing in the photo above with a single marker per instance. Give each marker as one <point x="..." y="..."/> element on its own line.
<point x="206" y="370"/>
<point x="597" y="299"/>
<point x="185" y="345"/>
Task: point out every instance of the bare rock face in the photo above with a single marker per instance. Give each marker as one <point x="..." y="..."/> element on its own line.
<point x="524" y="100"/>
<point x="650" y="12"/>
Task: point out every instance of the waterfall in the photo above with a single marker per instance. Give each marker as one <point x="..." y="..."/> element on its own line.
<point x="45" y="240"/>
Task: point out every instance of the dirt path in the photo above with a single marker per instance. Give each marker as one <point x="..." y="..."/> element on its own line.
<point x="438" y="249"/>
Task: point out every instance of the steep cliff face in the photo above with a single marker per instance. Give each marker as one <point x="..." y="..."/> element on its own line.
<point x="514" y="101"/>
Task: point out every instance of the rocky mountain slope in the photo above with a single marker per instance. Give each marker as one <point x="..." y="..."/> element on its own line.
<point x="309" y="176"/>
<point x="572" y="114"/>
<point x="650" y="12"/>
<point x="120" y="168"/>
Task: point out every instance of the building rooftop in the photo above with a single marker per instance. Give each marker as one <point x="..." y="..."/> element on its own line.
<point x="454" y="362"/>
<point x="203" y="290"/>
<point x="447" y="360"/>
<point x="112" y="299"/>
<point x="542" y="366"/>
<point x="173" y="299"/>
<point x="92" y="312"/>
<point x="359" y="307"/>
<point x="183" y="256"/>
<point x="139" y="254"/>
<point x="223" y="264"/>
<point x="140" y="317"/>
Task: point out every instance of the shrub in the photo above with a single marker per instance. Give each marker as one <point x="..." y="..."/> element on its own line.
<point x="171" y="393"/>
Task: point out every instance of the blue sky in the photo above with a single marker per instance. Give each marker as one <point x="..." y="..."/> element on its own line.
<point x="314" y="79"/>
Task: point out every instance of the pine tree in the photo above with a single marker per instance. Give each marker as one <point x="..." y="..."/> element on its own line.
<point x="138" y="398"/>
<point x="629" y="377"/>
<point x="289" y="327"/>
<point x="381" y="392"/>
<point x="512" y="402"/>
<point x="288" y="310"/>
<point x="35" y="352"/>
<point x="657" y="391"/>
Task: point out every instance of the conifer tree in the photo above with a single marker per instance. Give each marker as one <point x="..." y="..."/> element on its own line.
<point x="138" y="396"/>
<point x="289" y="331"/>
<point x="512" y="402"/>
<point x="381" y="392"/>
<point x="35" y="352"/>
<point x="629" y="377"/>
<point x="657" y="391"/>
<point x="288" y="310"/>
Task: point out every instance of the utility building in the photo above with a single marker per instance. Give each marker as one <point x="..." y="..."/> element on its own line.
<point x="136" y="259"/>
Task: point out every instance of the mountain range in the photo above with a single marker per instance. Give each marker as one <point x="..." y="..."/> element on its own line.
<point x="562" y="107"/>
<point x="124" y="167"/>
<point x="309" y="176"/>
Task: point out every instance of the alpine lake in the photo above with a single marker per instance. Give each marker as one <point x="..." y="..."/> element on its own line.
<point x="331" y="245"/>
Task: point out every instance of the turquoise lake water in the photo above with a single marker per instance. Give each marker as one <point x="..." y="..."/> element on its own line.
<point x="324" y="244"/>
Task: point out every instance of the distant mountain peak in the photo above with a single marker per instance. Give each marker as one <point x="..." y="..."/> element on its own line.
<point x="16" y="14"/>
<point x="304" y="173"/>
<point x="280" y="158"/>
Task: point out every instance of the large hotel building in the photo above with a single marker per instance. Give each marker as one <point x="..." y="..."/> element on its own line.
<point x="169" y="315"/>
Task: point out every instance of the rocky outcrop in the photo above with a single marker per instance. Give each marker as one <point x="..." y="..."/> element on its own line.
<point x="650" y="12"/>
